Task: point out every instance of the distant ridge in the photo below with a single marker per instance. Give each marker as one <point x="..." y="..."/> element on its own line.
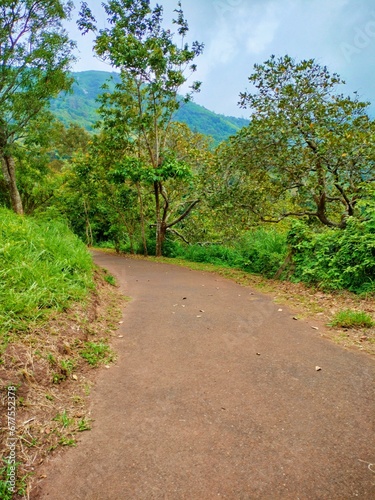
<point x="80" y="107"/>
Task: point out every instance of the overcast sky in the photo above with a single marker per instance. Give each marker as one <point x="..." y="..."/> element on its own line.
<point x="239" y="33"/>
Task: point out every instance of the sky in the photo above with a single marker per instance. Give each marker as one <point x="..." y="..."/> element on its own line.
<point x="237" y="34"/>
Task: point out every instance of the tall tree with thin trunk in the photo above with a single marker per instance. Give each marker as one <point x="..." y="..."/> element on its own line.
<point x="35" y="55"/>
<point x="153" y="69"/>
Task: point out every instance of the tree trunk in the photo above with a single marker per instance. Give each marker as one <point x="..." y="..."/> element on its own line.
<point x="145" y="251"/>
<point x="9" y="172"/>
<point x="89" y="236"/>
<point x="159" y="239"/>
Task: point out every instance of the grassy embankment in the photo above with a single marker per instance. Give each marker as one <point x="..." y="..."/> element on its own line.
<point x="57" y="312"/>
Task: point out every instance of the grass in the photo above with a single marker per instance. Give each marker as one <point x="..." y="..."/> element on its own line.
<point x="110" y="279"/>
<point x="63" y="419"/>
<point x="7" y="491"/>
<point x="97" y="352"/>
<point x="53" y="380"/>
<point x="43" y="268"/>
<point x="349" y="318"/>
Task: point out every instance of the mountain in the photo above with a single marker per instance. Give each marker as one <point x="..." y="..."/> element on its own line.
<point x="80" y="107"/>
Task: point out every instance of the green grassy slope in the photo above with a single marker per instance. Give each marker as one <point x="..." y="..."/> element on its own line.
<point x="80" y="107"/>
<point x="43" y="267"/>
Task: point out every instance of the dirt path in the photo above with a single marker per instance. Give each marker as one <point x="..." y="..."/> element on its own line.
<point x="215" y="394"/>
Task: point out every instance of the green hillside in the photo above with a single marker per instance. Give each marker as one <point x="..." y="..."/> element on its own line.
<point x="80" y="107"/>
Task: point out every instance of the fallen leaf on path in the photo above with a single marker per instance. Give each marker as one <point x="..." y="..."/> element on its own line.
<point x="315" y="328"/>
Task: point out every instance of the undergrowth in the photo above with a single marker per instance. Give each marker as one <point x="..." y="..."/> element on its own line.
<point x="43" y="267"/>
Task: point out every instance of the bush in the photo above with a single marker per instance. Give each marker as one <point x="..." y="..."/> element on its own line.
<point x="211" y="254"/>
<point x="336" y="259"/>
<point x="260" y="251"/>
<point x="264" y="251"/>
<point x="43" y="267"/>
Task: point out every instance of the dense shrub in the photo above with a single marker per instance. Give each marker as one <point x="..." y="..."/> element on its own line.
<point x="336" y="259"/>
<point x="211" y="254"/>
<point x="263" y="250"/>
<point x="260" y="251"/>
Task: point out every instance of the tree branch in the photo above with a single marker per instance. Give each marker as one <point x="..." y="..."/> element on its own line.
<point x="179" y="235"/>
<point x="187" y="211"/>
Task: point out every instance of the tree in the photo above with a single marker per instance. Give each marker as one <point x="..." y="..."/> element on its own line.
<point x="35" y="54"/>
<point x="153" y="70"/>
<point x="308" y="150"/>
<point x="42" y="159"/>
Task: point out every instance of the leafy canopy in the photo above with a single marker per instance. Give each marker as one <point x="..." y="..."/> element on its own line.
<point x="309" y="146"/>
<point x="35" y="54"/>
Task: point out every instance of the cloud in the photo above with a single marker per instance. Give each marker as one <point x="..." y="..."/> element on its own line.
<point x="239" y="33"/>
<point x="263" y="34"/>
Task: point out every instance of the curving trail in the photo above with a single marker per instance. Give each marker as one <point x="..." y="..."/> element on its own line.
<point x="215" y="395"/>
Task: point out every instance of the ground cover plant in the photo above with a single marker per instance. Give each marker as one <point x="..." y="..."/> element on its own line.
<point x="43" y="268"/>
<point x="57" y="315"/>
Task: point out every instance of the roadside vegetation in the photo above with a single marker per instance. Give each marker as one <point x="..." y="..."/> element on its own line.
<point x="285" y="204"/>
<point x="57" y="316"/>
<point x="44" y="267"/>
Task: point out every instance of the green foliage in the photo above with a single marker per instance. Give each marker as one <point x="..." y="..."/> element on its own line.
<point x="35" y="54"/>
<point x="83" y="425"/>
<point x="260" y="252"/>
<point x="264" y="251"/>
<point x="110" y="279"/>
<point x="43" y="267"/>
<point x="5" y="472"/>
<point x="336" y="259"/>
<point x="212" y="254"/>
<point x="8" y="471"/>
<point x="352" y="319"/>
<point x="307" y="149"/>
<point x="63" y="419"/>
<point x="96" y="352"/>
